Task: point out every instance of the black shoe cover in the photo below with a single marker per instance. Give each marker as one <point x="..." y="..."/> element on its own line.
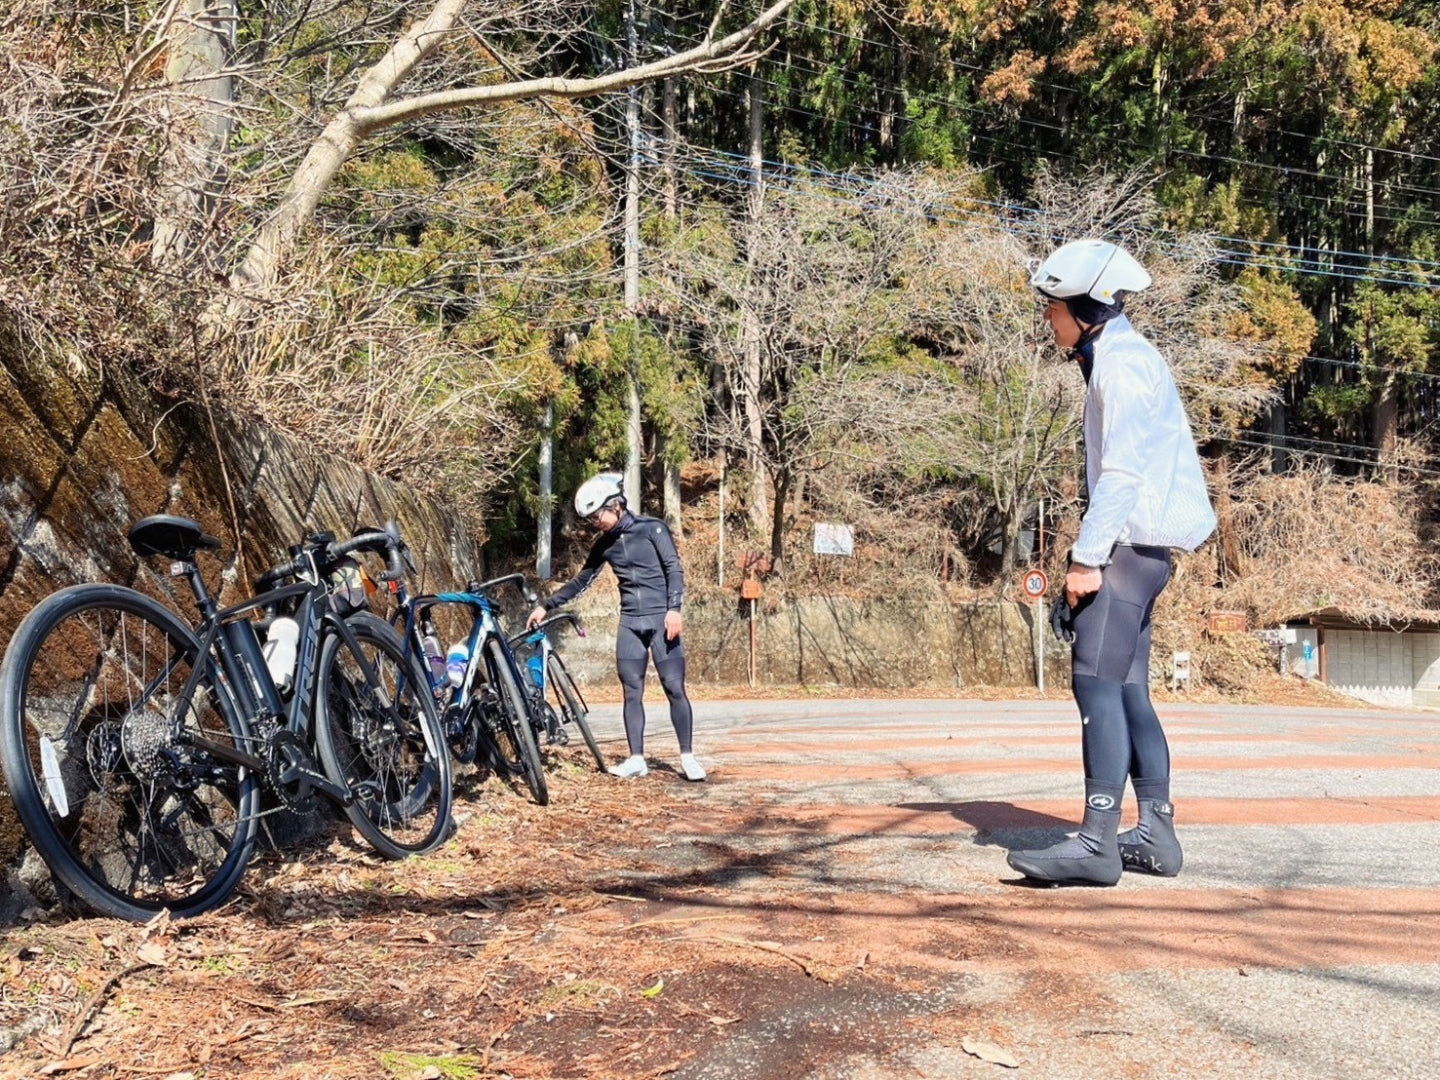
<point x="1151" y="847"/>
<point x="1092" y="858"/>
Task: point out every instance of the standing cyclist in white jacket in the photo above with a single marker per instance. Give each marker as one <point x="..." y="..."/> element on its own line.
<point x="1146" y="496"/>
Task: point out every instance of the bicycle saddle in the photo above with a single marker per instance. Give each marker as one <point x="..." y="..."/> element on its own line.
<point x="173" y="537"/>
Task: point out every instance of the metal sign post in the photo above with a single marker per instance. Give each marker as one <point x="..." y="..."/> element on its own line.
<point x="1034" y="583"/>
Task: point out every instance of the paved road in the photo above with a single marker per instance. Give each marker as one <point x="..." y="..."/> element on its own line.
<point x="1302" y="939"/>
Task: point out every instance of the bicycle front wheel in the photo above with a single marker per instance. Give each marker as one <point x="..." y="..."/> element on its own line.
<point x="103" y="757"/>
<point x="377" y="733"/>
<point x="572" y="705"/>
<point x="518" y="750"/>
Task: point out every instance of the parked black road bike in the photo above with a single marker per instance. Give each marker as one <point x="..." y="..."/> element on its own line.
<point x="489" y="712"/>
<point x="136" y="748"/>
<point x="547" y="675"/>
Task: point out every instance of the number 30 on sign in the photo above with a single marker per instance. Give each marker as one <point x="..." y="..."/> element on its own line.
<point x="1034" y="583"/>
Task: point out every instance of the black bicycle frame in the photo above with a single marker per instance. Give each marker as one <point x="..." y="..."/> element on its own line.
<point x="237" y="674"/>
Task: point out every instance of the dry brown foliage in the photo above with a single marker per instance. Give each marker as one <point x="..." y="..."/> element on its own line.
<point x="1309" y="539"/>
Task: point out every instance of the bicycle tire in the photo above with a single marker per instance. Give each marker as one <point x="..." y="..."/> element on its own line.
<point x="393" y="757"/>
<point x="129" y="817"/>
<point x="515" y="717"/>
<point x="572" y="706"/>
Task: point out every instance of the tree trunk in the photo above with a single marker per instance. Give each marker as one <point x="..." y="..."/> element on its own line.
<point x="783" y="479"/>
<point x="1010" y="544"/>
<point x="668" y="116"/>
<point x="202" y="120"/>
<point x="671" y="490"/>
<point x="1387" y="425"/>
<point x="1369" y="201"/>
<point x="1231" y="563"/>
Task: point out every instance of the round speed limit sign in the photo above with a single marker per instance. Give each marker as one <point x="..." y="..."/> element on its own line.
<point x="1034" y="583"/>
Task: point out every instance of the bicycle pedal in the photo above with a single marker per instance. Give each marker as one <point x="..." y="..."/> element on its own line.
<point x="367" y="789"/>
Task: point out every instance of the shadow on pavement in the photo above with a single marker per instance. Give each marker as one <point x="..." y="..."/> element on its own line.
<point x="1001" y="824"/>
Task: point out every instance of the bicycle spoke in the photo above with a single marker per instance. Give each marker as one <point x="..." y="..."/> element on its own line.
<point x="378" y="733"/>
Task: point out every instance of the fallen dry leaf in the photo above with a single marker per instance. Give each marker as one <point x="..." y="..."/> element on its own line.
<point x="70" y="1064"/>
<point x="988" y="1051"/>
<point x="152" y="952"/>
<point x="158" y="926"/>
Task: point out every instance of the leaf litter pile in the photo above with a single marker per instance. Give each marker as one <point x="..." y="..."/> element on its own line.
<point x="597" y="936"/>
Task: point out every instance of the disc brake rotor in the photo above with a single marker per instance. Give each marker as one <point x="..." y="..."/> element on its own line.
<point x="103" y="753"/>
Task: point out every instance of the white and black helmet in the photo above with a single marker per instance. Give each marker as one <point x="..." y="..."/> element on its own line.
<point x="597" y="492"/>
<point x="1095" y="268"/>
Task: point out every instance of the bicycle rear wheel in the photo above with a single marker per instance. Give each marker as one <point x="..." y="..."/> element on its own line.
<point x="572" y="706"/>
<point x="522" y="754"/>
<point x="384" y="742"/>
<point x="96" y="738"/>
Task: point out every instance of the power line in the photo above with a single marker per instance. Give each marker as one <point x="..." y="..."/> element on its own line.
<point x="1354" y="208"/>
<point x="1283" y="170"/>
<point x="979" y="69"/>
<point x="1300" y="452"/>
<point x="841" y="184"/>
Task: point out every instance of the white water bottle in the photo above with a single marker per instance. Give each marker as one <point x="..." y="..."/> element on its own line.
<point x="433" y="655"/>
<point x="280" y="647"/>
<point x="456" y="663"/>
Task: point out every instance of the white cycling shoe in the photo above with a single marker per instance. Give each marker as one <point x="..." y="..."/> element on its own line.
<point x="631" y="767"/>
<point x="692" y="768"/>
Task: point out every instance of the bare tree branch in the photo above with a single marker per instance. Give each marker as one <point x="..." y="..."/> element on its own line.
<point x="368" y="110"/>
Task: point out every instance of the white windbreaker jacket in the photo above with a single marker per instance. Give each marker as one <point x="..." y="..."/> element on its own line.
<point x="1141" y="468"/>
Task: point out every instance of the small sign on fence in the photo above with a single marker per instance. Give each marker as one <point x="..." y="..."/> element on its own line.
<point x="1227" y="622"/>
<point x="833" y="539"/>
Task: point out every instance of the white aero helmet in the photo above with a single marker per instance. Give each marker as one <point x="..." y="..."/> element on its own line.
<point x="1094" y="268"/>
<point x="597" y="491"/>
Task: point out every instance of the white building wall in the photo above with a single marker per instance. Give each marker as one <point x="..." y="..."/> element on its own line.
<point x="1378" y="666"/>
<point x="1425" y="657"/>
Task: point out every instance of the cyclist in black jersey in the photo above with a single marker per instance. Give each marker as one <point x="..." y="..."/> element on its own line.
<point x="642" y="553"/>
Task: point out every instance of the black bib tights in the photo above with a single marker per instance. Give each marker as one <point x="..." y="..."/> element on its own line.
<point x="639" y="639"/>
<point x="1120" y="733"/>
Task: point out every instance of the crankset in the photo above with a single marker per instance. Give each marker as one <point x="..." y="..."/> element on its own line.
<point x="294" y="776"/>
<point x="462" y="732"/>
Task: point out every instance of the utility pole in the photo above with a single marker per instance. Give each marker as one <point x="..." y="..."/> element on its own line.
<point x="753" y="371"/>
<point x="671" y="486"/>
<point x="632" y="261"/>
<point x="545" y="523"/>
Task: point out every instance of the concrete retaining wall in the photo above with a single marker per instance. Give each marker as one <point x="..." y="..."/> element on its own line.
<point x="84" y="452"/>
<point x="837" y="641"/>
